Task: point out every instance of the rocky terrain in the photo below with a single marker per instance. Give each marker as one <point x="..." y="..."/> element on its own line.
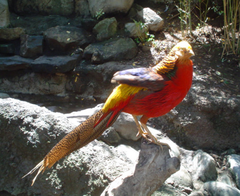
<point x="63" y="57"/>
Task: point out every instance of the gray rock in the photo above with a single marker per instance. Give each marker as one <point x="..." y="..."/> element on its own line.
<point x="4" y="13"/>
<point x="50" y="7"/>
<point x="43" y="22"/>
<point x="135" y="30"/>
<point x="225" y="176"/>
<point x="81" y="8"/>
<point x="28" y="132"/>
<point x="234" y="164"/>
<point x="86" y="79"/>
<point x="109" y="6"/>
<point x="219" y="189"/>
<point x="111" y="50"/>
<point x="105" y="29"/>
<point x="31" y="46"/>
<point x="34" y="83"/>
<point x="8" y="34"/>
<point x="154" y="166"/>
<point x="4" y="95"/>
<point x="203" y="168"/>
<point x="151" y="19"/>
<point x="55" y="64"/>
<point x="181" y="178"/>
<point x="14" y="63"/>
<point x="110" y="136"/>
<point x="130" y="154"/>
<point x="168" y="190"/>
<point x="66" y="38"/>
<point x="200" y="165"/>
<point x="197" y="193"/>
<point x="133" y="12"/>
<point x="126" y="127"/>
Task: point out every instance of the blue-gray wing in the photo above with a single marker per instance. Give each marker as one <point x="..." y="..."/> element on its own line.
<point x="141" y="77"/>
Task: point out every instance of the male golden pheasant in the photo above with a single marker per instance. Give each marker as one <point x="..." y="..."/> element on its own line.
<point x="146" y="92"/>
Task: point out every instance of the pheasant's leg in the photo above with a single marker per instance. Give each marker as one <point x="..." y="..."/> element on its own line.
<point x="140" y="130"/>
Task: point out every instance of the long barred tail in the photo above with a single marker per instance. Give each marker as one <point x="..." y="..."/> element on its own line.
<point x="77" y="138"/>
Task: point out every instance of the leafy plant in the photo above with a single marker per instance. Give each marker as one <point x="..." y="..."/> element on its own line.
<point x="184" y="10"/>
<point x="231" y="40"/>
<point x="216" y="8"/>
<point x="99" y="14"/>
<point x="203" y="7"/>
<point x="143" y="34"/>
<point x="141" y="31"/>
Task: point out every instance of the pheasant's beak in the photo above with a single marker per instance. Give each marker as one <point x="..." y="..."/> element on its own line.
<point x="191" y="52"/>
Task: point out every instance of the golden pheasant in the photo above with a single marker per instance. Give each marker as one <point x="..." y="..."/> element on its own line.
<point x="146" y="92"/>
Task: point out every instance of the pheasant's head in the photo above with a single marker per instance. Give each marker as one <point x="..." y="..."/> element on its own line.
<point x="183" y="50"/>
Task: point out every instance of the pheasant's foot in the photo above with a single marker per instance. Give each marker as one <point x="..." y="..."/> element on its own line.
<point x="151" y="138"/>
<point x="145" y="133"/>
<point x="141" y="132"/>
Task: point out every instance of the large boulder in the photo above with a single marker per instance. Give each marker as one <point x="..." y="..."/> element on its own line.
<point x="28" y="132"/>
<point x="8" y="34"/>
<point x="65" y="39"/>
<point x="14" y="63"/>
<point x="55" y="64"/>
<point x="105" y="29"/>
<point x="151" y="19"/>
<point x="34" y="83"/>
<point x="219" y="189"/>
<point x="43" y="22"/>
<point x="111" y="50"/>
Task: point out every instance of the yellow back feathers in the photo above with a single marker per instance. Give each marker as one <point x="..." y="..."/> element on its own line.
<point x="120" y="95"/>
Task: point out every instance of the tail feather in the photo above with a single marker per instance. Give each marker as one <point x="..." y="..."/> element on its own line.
<point x="86" y="132"/>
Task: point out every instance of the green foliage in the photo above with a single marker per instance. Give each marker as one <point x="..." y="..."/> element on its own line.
<point x="231" y="39"/>
<point x="99" y="14"/>
<point x="203" y="7"/>
<point x="143" y="33"/>
<point x="216" y="8"/>
<point x="184" y="10"/>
